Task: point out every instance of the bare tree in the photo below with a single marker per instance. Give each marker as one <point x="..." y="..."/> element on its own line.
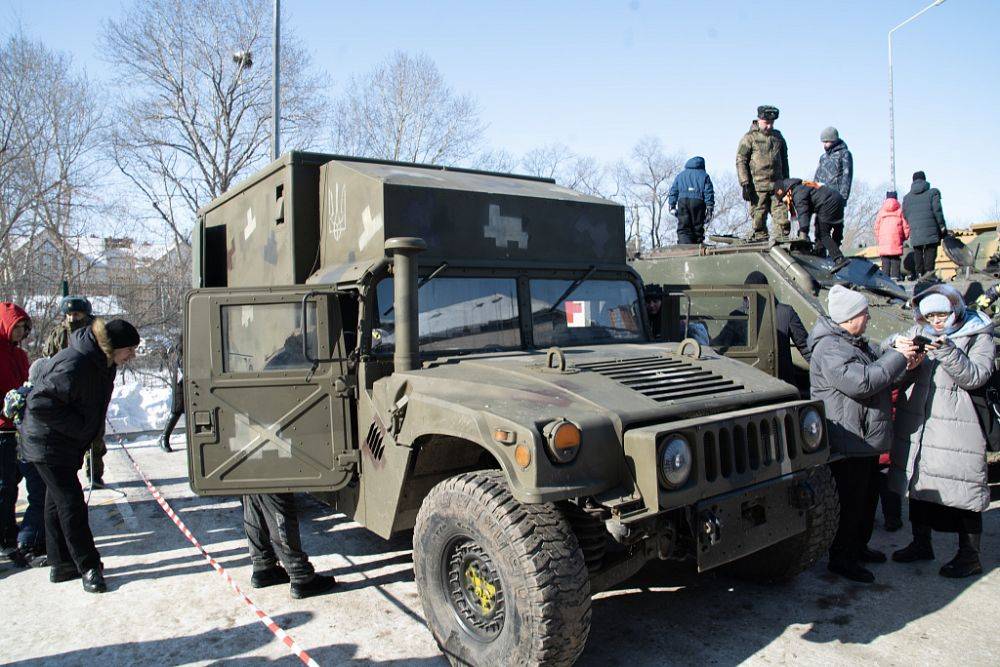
<point x="643" y="186"/>
<point x="403" y="110"/>
<point x="579" y="172"/>
<point x="196" y="114"/>
<point x="731" y="216"/>
<point x="859" y="216"/>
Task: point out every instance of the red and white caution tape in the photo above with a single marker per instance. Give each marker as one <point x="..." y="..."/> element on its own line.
<point x="285" y="638"/>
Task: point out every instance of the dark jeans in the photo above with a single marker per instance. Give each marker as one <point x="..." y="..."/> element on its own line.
<point x="10" y="477"/>
<point x="829" y="235"/>
<point x="32" y="533"/>
<point x="924" y="257"/>
<point x="690" y="220"/>
<point x="891" y="266"/>
<point x="68" y="540"/>
<point x="857" y="486"/>
<point x="271" y="522"/>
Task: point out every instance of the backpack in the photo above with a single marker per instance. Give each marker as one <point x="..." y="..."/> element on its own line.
<point x="987" y="402"/>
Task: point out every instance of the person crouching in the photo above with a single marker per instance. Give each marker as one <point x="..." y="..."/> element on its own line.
<point x="63" y="414"/>
<point x="939" y="452"/>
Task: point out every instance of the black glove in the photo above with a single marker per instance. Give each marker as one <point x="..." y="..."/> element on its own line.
<point x="748" y="191"/>
<point x="708" y="214"/>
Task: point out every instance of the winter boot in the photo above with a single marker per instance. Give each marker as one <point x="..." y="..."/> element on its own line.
<point x="919" y="549"/>
<point x="966" y="561"/>
<point x="271" y="576"/>
<point x="319" y="584"/>
<point x="165" y="444"/>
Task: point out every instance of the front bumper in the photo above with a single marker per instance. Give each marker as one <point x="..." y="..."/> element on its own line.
<point x="737" y="524"/>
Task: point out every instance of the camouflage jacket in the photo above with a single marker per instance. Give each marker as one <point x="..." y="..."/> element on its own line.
<point x="58" y="338"/>
<point x="836" y="169"/>
<point x="761" y="159"/>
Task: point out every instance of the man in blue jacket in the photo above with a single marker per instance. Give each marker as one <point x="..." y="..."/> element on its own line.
<point x="691" y="200"/>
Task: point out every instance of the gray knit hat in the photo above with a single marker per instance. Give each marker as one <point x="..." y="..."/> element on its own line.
<point x="844" y="304"/>
<point x="829" y="134"/>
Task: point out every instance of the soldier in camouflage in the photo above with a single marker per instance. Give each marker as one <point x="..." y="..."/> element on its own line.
<point x="762" y="161"/>
<point x="78" y="314"/>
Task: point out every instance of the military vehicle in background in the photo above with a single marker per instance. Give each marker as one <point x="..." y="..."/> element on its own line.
<point x="465" y="354"/>
<point x="704" y="284"/>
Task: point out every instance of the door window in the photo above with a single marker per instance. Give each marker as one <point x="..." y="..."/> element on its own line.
<point x="262" y="337"/>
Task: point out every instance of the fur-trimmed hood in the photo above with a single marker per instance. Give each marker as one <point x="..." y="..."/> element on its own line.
<point x="93" y="342"/>
<point x="968" y="322"/>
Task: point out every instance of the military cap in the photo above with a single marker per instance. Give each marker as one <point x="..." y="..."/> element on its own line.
<point x="767" y="112"/>
<point x="75" y="304"/>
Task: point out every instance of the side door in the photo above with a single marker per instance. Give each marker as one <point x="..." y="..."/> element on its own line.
<point x="267" y="391"/>
<point x="737" y="321"/>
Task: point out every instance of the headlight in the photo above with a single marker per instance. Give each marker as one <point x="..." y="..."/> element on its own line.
<point x="675" y="462"/>
<point x="811" y="424"/>
<point x="563" y="440"/>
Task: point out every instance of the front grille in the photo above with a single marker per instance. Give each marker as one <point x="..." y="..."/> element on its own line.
<point x="758" y="443"/>
<point x="664" y="378"/>
<point x="375" y="442"/>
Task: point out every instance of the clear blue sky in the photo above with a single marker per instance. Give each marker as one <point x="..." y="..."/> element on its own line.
<point x="599" y="75"/>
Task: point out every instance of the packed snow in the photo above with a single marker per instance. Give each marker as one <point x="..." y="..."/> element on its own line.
<point x="139" y="404"/>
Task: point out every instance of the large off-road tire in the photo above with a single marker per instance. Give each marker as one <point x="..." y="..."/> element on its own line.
<point x="789" y="558"/>
<point x="501" y="583"/>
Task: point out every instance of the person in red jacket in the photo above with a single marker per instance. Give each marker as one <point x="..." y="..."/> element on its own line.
<point x="891" y="229"/>
<point x="14" y="326"/>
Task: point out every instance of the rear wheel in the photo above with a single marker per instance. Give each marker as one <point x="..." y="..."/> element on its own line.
<point x="789" y="558"/>
<point x="500" y="582"/>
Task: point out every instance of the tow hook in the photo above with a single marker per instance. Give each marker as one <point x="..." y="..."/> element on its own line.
<point x="803" y="496"/>
<point x="711" y="528"/>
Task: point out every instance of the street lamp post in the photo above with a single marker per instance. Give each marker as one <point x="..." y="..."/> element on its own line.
<point x="892" y="123"/>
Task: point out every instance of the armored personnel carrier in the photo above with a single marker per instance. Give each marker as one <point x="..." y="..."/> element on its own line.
<point x="709" y="283"/>
<point x="465" y="354"/>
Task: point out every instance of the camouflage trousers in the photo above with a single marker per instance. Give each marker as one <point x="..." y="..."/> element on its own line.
<point x="763" y="202"/>
<point x="93" y="459"/>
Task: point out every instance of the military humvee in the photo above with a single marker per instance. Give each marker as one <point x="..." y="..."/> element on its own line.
<point x="465" y="354"/>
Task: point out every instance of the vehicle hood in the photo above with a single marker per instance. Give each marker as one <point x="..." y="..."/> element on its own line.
<point x="630" y="385"/>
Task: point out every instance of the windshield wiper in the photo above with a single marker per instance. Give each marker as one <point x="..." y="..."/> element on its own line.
<point x="423" y="281"/>
<point x="572" y="288"/>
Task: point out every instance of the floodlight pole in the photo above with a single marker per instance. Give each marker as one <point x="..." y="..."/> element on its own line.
<point x="276" y="94"/>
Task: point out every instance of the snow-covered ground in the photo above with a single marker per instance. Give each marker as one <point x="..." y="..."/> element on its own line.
<point x="139" y="404"/>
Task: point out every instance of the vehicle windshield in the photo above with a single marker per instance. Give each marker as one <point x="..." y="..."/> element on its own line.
<point x="456" y="314"/>
<point x="598" y="311"/>
<point x="859" y="272"/>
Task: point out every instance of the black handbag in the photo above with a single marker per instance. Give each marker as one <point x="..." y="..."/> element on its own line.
<point x="987" y="402"/>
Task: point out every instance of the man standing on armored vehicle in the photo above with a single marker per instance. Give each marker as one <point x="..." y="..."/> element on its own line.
<point x="78" y="314"/>
<point x="762" y="161"/>
<point x="836" y="164"/>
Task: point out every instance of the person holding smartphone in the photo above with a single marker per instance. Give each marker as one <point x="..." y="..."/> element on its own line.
<point x="939" y="450"/>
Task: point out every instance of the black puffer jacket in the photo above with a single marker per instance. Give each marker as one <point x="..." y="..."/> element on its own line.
<point x="812" y="199"/>
<point x="836" y="168"/>
<point x="66" y="409"/>
<point x="922" y="209"/>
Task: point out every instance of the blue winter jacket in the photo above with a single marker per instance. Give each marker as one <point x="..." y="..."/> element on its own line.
<point x="692" y="183"/>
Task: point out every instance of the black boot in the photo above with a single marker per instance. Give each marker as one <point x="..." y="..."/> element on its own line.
<point x="271" y="576"/>
<point x="966" y="561"/>
<point x="165" y="444"/>
<point x="919" y="549"/>
<point x="93" y="581"/>
<point x="319" y="584"/>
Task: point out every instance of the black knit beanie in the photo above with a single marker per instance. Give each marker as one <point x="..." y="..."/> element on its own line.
<point x="121" y="334"/>
<point x="919" y="176"/>
<point x="891" y="194"/>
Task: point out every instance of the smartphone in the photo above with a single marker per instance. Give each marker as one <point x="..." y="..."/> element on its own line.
<point x="921" y="341"/>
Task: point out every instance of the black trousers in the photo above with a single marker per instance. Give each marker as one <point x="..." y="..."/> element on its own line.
<point x="829" y="235"/>
<point x="690" y="220"/>
<point x="925" y="257"/>
<point x="10" y="477"/>
<point x="68" y="540"/>
<point x="857" y="486"/>
<point x="891" y="266"/>
<point x="892" y="502"/>
<point x="171" y="423"/>
<point x="271" y="522"/>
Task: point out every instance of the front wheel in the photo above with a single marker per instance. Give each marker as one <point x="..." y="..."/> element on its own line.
<point x="501" y="582"/>
<point x="787" y="559"/>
